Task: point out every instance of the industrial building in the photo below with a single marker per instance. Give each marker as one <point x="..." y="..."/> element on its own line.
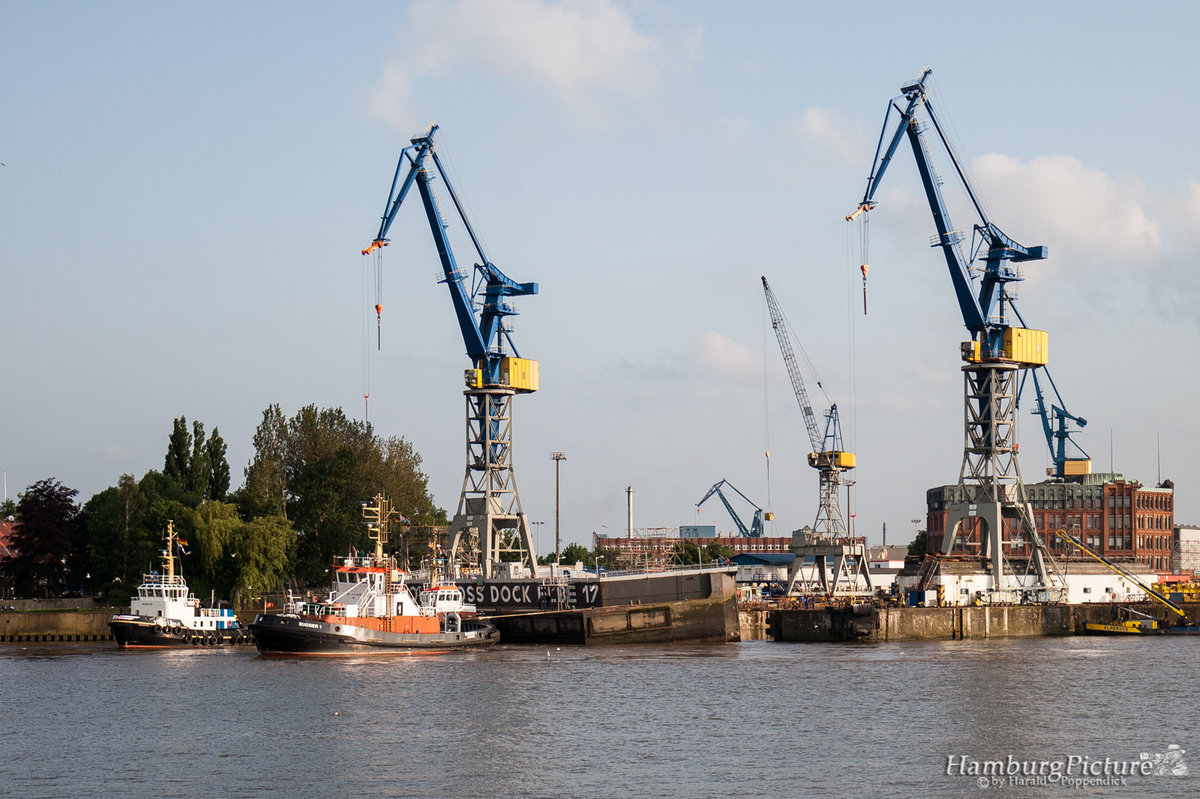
<point x="1121" y="519"/>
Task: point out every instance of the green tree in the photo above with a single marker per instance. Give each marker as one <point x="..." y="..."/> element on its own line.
<point x="918" y="547"/>
<point x="119" y="546"/>
<point x="49" y="542"/>
<point x="240" y="557"/>
<point x="198" y="468"/>
<point x="195" y="464"/>
<point x="179" y="453"/>
<point x="316" y="469"/>
<point x="263" y="553"/>
<point x="8" y="508"/>
<point x="265" y="491"/>
<point x="218" y="478"/>
<point x="715" y="551"/>
<point x="686" y="553"/>
<point x="573" y="553"/>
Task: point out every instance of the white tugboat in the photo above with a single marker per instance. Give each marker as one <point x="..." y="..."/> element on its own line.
<point x="165" y="614"/>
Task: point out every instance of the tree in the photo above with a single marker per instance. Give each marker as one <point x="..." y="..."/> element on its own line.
<point x="686" y="553"/>
<point x="715" y="552"/>
<point x="196" y="465"/>
<point x="240" y="557"/>
<point x="316" y="469"/>
<point x="917" y="549"/>
<point x="573" y="553"/>
<point x="264" y="552"/>
<point x="179" y="451"/>
<point x="49" y="542"/>
<point x="218" y="477"/>
<point x="265" y="491"/>
<point x="119" y="546"/>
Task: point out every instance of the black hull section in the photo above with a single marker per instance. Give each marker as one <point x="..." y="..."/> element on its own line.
<point x="290" y="635"/>
<point x="142" y="635"/>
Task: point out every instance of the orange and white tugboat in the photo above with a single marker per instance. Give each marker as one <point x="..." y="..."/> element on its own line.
<point x="165" y="614"/>
<point x="370" y="610"/>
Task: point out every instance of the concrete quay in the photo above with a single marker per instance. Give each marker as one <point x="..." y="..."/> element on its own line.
<point x="880" y="624"/>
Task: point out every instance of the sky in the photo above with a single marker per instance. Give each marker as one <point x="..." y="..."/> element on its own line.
<point x="187" y="187"/>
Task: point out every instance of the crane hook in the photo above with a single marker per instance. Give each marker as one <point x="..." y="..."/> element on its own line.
<point x="864" y="269"/>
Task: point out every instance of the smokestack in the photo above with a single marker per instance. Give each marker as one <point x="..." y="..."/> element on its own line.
<point x="629" y="510"/>
<point x="885" y="534"/>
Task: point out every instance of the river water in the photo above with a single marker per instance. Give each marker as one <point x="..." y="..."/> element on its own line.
<point x="752" y="719"/>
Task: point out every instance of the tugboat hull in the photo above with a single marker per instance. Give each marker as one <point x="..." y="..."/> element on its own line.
<point x="134" y="632"/>
<point x="292" y="635"/>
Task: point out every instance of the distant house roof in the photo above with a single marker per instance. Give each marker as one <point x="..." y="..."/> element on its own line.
<point x="6" y="534"/>
<point x="764" y="558"/>
<point x="888" y="552"/>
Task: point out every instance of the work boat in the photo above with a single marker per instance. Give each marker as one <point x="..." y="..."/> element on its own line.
<point x="371" y="611"/>
<point x="165" y="614"/>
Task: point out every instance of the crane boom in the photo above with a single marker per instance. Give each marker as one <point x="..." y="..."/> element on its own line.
<point x="984" y="298"/>
<point x="1142" y="584"/>
<point x="984" y="313"/>
<point x="755" y="530"/>
<point x="779" y="324"/>
<point x="481" y="309"/>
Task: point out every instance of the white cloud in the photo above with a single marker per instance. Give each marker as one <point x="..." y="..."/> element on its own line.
<point x="829" y="132"/>
<point x="583" y="53"/>
<point x="719" y="355"/>
<point x="1079" y="207"/>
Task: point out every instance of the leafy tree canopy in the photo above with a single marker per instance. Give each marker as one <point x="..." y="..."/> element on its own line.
<point x="917" y="548"/>
<point x="316" y="468"/>
<point x="197" y="465"/>
<point x="49" y="541"/>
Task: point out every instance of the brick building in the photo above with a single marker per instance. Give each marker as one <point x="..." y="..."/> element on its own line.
<point x="1119" y="518"/>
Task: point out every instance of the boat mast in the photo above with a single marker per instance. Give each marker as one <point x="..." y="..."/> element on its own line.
<point x="169" y="555"/>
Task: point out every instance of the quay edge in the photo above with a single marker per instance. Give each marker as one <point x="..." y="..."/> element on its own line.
<point x="883" y="624"/>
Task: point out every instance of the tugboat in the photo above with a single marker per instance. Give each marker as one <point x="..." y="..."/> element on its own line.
<point x="371" y="611"/>
<point x="165" y="614"/>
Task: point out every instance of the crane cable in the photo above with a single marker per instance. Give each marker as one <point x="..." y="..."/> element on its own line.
<point x="766" y="412"/>
<point x="366" y="326"/>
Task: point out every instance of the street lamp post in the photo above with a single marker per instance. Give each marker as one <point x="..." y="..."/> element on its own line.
<point x="558" y="458"/>
<point x="537" y="534"/>
<point x="599" y="574"/>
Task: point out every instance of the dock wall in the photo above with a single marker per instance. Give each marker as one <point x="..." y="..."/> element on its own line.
<point x="921" y="624"/>
<point x="713" y="617"/>
<point x="55" y="625"/>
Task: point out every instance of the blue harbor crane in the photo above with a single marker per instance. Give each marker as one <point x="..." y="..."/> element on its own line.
<point x="489" y="522"/>
<point x="981" y="279"/>
<point x="755" y="530"/>
<point x="990" y="496"/>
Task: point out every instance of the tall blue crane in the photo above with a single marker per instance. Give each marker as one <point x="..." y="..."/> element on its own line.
<point x="480" y="311"/>
<point x="755" y="530"/>
<point x="981" y="279"/>
<point x="489" y="522"/>
<point x="990" y="496"/>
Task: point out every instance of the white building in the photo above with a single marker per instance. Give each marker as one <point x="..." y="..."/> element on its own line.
<point x="1187" y="549"/>
<point x="965" y="583"/>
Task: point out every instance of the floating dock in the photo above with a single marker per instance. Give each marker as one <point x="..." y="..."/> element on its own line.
<point x="649" y="607"/>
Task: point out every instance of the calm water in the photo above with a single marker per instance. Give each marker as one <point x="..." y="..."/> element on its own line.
<point x="750" y="719"/>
